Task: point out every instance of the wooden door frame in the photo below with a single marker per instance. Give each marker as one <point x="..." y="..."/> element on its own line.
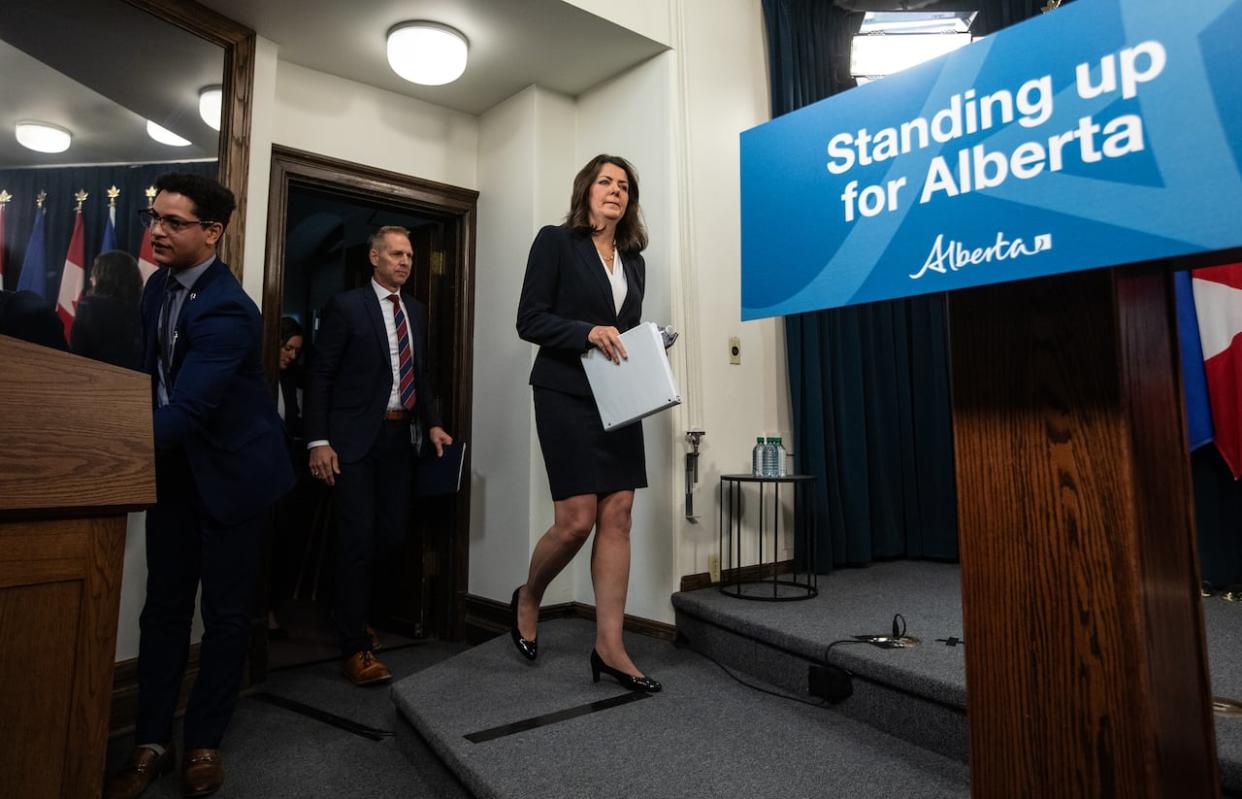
<point x="369" y="183"/>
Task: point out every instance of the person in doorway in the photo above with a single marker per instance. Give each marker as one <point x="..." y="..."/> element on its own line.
<point x="583" y="288"/>
<point x="369" y="381"/>
<point x="291" y="518"/>
<point x="107" y="326"/>
<point x="220" y="464"/>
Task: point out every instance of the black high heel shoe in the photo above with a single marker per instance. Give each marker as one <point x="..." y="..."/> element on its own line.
<point x="627" y="681"/>
<point x="529" y="649"/>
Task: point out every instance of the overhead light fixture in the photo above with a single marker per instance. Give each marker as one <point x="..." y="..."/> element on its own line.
<point x="165" y="136"/>
<point x="42" y="137"/>
<point x="209" y="99"/>
<point x="427" y="52"/>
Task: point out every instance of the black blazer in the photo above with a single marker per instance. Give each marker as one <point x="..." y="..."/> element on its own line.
<point x="565" y="294"/>
<point x="288" y="384"/>
<point x="220" y="413"/>
<point x="350" y="377"/>
<point x="108" y="330"/>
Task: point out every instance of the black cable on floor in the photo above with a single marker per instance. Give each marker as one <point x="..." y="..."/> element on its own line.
<point x="760" y="689"/>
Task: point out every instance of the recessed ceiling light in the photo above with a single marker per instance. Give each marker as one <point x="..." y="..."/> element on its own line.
<point x="209" y="98"/>
<point x="427" y="52"/>
<point x="42" y="137"/>
<point x="165" y="136"/>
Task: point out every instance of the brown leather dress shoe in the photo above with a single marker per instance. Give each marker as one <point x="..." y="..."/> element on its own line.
<point x="139" y="772"/>
<point x="376" y="644"/>
<point x="202" y="772"/>
<point x="363" y="668"/>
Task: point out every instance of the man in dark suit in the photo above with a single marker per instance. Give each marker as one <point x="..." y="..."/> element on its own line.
<point x="368" y="382"/>
<point x="221" y="463"/>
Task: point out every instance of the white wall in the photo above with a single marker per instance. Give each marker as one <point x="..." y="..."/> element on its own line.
<point x="332" y="116"/>
<point x="630" y="116"/>
<point x="649" y="18"/>
<point x="721" y="50"/>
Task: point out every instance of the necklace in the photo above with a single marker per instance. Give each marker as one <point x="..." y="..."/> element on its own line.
<point x="607" y="256"/>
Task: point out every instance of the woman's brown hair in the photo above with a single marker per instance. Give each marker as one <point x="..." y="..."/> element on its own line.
<point x="631" y="232"/>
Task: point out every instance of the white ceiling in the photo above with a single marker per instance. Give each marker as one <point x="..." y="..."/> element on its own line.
<point x="100" y="68"/>
<point x="513" y="43"/>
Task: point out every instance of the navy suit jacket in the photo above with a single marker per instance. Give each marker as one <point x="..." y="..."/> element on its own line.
<point x="566" y="293"/>
<point x="220" y="413"/>
<point x="350" y="377"/>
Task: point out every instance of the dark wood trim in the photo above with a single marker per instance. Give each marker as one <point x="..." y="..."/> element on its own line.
<point x="125" y="691"/>
<point x="1087" y="668"/>
<point x="745" y="574"/>
<point x="487" y="618"/>
<point x="238" y="43"/>
<point x="369" y="183"/>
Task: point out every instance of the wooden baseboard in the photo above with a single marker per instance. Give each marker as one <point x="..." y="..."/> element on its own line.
<point x="125" y="692"/>
<point x="488" y="618"/>
<point x="746" y="574"/>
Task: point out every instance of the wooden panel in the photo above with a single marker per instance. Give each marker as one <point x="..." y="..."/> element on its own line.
<point x="38" y="625"/>
<point x="96" y="651"/>
<point x="79" y="432"/>
<point x="1086" y="668"/>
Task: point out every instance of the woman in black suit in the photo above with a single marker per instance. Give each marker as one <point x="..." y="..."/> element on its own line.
<point x="583" y="288"/>
<point x="107" y="326"/>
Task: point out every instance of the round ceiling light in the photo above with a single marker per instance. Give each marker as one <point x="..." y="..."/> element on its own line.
<point x="427" y="52"/>
<point x="42" y="137"/>
<point x="165" y="136"/>
<point x="209" y="98"/>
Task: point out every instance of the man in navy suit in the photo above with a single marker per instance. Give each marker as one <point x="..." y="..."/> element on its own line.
<point x="369" y="381"/>
<point x="221" y="463"/>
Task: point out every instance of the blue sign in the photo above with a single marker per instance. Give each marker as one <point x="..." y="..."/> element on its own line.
<point x="1106" y="132"/>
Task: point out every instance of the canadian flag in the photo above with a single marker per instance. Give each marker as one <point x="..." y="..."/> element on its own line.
<point x="72" y="279"/>
<point x="146" y="257"/>
<point x="1218" y="302"/>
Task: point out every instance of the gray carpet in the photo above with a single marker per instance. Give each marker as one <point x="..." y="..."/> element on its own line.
<point x="704" y="735"/>
<point x="273" y="753"/>
<point x="861" y="602"/>
<point x="1223" y="622"/>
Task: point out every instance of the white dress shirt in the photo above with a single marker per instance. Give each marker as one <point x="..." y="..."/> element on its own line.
<point x="616" y="279"/>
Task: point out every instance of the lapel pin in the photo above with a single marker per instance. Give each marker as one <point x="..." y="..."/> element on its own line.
<point x="193" y="295"/>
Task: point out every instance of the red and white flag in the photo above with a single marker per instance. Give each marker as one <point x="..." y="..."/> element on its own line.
<point x="73" y="278"/>
<point x="146" y="256"/>
<point x="1218" y="303"/>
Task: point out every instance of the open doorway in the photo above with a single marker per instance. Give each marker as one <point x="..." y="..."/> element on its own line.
<point x="321" y="212"/>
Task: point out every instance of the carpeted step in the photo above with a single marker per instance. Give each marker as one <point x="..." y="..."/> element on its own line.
<point x="917" y="694"/>
<point x="703" y="735"/>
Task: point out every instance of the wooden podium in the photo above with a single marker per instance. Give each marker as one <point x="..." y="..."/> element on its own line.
<point x="76" y="456"/>
<point x="1086" y="669"/>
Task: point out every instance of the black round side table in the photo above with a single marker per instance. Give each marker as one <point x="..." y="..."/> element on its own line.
<point x="797" y="585"/>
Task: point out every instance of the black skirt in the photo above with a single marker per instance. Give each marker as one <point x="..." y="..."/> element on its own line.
<point x="581" y="458"/>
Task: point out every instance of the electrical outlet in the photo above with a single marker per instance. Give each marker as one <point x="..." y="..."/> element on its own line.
<point x="713" y="567"/>
<point x="735" y="350"/>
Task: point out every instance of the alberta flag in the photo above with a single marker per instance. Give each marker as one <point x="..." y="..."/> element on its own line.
<point x="109" y="234"/>
<point x="73" y="278"/>
<point x="1218" y="303"/>
<point x="34" y="272"/>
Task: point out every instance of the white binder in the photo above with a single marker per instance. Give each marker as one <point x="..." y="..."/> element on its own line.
<point x="638" y="386"/>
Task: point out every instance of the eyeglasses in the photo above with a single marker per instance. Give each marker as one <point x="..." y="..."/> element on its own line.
<point x="173" y="224"/>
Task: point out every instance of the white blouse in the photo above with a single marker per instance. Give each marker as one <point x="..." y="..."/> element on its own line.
<point x="616" y="279"/>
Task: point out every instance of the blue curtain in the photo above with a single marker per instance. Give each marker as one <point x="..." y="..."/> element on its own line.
<point x="869" y="384"/>
<point x="61" y="184"/>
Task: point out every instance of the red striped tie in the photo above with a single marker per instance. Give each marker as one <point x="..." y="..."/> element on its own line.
<point x="405" y="361"/>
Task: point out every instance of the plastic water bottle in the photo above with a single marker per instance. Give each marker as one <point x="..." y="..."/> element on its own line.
<point x="781" y="469"/>
<point x="770" y="466"/>
<point x="756" y="458"/>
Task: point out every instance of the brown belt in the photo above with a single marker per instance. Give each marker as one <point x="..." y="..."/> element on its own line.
<point x="399" y="415"/>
